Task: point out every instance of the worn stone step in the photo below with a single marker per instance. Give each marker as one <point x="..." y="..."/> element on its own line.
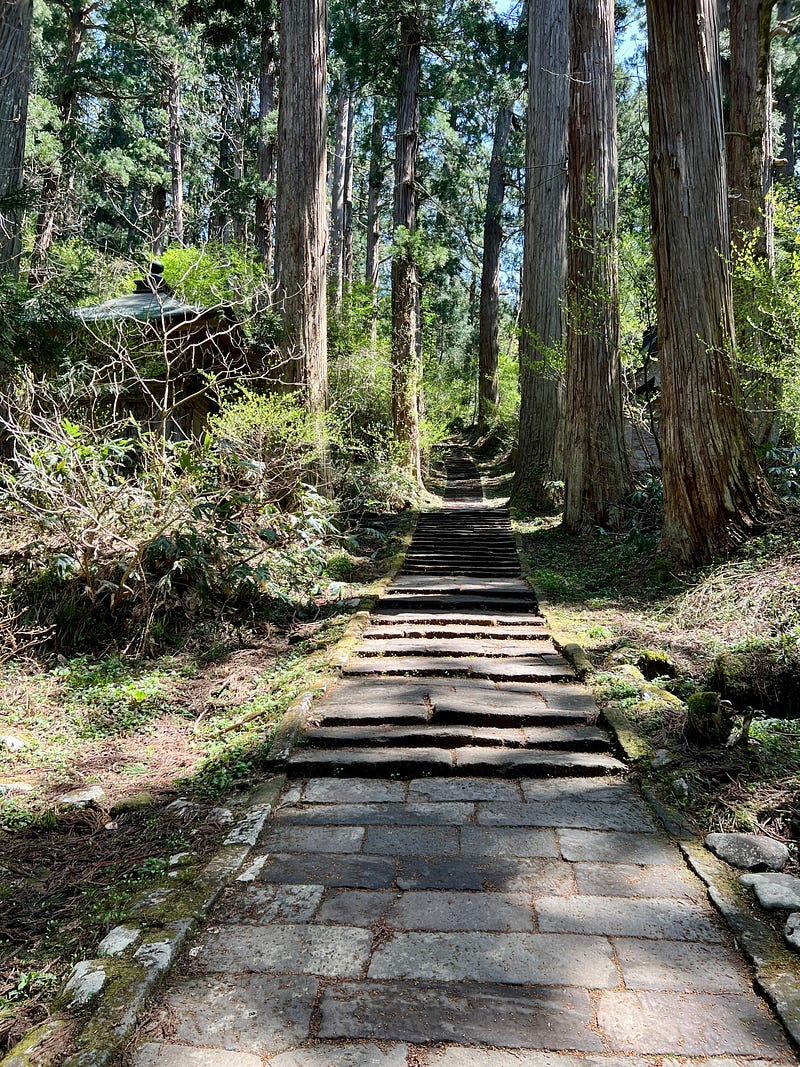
<point x="579" y="738"/>
<point x="371" y="762"/>
<point x="447" y="603"/>
<point x="498" y="632"/>
<point x="505" y="587"/>
<point x="480" y="621"/>
<point x="454" y="646"/>
<point x="522" y="668"/>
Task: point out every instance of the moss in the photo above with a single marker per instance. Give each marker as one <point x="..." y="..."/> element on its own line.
<point x="709" y="721"/>
<point x="763" y="673"/>
<point x="653" y="663"/>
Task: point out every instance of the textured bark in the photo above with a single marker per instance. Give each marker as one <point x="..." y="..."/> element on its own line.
<point x="544" y="270"/>
<point x="749" y="140"/>
<point x="301" y="215"/>
<point x="337" y="194"/>
<point x="57" y="176"/>
<point x="172" y="75"/>
<point x="405" y="283"/>
<point x="265" y="201"/>
<point x="786" y="108"/>
<point x="347" y="203"/>
<point x="596" y="466"/>
<point x="489" y="321"/>
<point x="374" y="187"/>
<point x="713" y="488"/>
<point x="16" y="17"/>
<point x="158" y="220"/>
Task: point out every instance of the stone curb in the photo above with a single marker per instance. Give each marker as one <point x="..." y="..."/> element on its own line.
<point x="776" y="974"/>
<point x="111" y="991"/>
<point x="298" y="713"/>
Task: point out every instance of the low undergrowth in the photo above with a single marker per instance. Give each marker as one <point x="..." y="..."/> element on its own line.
<point x="655" y="638"/>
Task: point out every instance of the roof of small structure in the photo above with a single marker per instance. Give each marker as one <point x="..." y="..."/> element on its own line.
<point x="152" y="301"/>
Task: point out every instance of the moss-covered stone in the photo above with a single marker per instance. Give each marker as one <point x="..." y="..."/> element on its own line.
<point x="653" y="663"/>
<point x="762" y="674"/>
<point x="709" y="721"/>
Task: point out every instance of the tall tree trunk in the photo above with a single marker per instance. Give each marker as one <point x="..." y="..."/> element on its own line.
<point x="347" y="204"/>
<point x="301" y="217"/>
<point x="158" y="220"/>
<point x="544" y="270"/>
<point x="265" y="201"/>
<point x="713" y="488"/>
<point x="489" y="321"/>
<point x="406" y="371"/>
<point x="172" y="73"/>
<point x="749" y="141"/>
<point x="786" y="108"/>
<point x="337" y="194"/>
<point x="57" y="175"/>
<point x="16" y="17"/>
<point x="596" y="465"/>
<point x="375" y="185"/>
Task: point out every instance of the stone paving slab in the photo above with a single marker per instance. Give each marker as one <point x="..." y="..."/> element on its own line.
<point x="327" y="951"/>
<point x="508" y="841"/>
<point x="680" y="966"/>
<point x="349" y="872"/>
<point x="656" y="917"/>
<point x="431" y="645"/>
<point x="370" y="760"/>
<point x="495" y="629"/>
<point x="281" y="903"/>
<point x="339" y="1055"/>
<point x="462" y="789"/>
<point x="628" y="880"/>
<point x="517" y="762"/>
<point x="314" y="838"/>
<point x="616" y="848"/>
<point x="569" y="814"/>
<point x="459" y="1056"/>
<point x="546" y="876"/>
<point x="444" y="911"/>
<point x="529" y="668"/>
<point x="696" y="1024"/>
<point x="410" y="814"/>
<point x="355" y="907"/>
<point x="516" y="959"/>
<point x="352" y="791"/>
<point x="252" y="1013"/>
<point x="412" y="840"/>
<point x="396" y="1011"/>
<point x="153" y="1055"/>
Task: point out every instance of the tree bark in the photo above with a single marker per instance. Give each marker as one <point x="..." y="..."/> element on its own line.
<point x="57" y="176"/>
<point x="544" y="270"/>
<point x="265" y="200"/>
<point x="596" y="465"/>
<point x="405" y="283"/>
<point x="749" y="141"/>
<point x="172" y="74"/>
<point x="301" y="216"/>
<point x="337" y="194"/>
<point x="713" y="488"/>
<point x="489" y="320"/>
<point x="374" y="187"/>
<point x="347" y="203"/>
<point x="158" y="220"/>
<point x="16" y="17"/>
<point x="786" y="108"/>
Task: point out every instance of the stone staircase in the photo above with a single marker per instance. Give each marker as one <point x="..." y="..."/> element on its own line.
<point x="457" y="673"/>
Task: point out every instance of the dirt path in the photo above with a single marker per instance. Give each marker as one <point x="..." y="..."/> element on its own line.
<point x="458" y="873"/>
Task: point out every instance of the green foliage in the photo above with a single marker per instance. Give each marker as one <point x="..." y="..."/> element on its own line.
<point x="213" y="274"/>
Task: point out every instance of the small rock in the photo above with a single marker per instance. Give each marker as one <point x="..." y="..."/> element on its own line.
<point x="15" y="787"/>
<point x="12" y="742"/>
<point x="81" y="798"/>
<point x="183" y="808"/>
<point x="661" y="758"/>
<point x="180" y="859"/>
<point x="134" y="803"/>
<point x="749" y="852"/>
<point x="86" y="979"/>
<point x="117" y="940"/>
<point x="792" y="931"/>
<point x="680" y="788"/>
<point x="220" y="817"/>
<point x="775" y="890"/>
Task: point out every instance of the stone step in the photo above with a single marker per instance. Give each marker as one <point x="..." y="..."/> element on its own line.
<point x="579" y="738"/>
<point x="482" y="622"/>
<point x="375" y="762"/>
<point x="449" y="603"/>
<point x="454" y="646"/>
<point x="498" y="632"/>
<point x="456" y="584"/>
<point x="522" y="668"/>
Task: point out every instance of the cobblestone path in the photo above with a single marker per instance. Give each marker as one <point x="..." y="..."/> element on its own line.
<point x="458" y="874"/>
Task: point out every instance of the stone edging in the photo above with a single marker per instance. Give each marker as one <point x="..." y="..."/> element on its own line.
<point x="297" y="714"/>
<point x="109" y="993"/>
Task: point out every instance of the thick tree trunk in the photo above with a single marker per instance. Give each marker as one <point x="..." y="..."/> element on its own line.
<point x="406" y="371"/>
<point x="16" y="17"/>
<point x="337" y="194"/>
<point x="158" y="220"/>
<point x="172" y="72"/>
<point x="57" y="176"/>
<point x="265" y="201"/>
<point x="713" y="488"/>
<point x="347" y="204"/>
<point x="544" y="271"/>
<point x="301" y="216"/>
<point x="374" y="187"/>
<point x="596" y="465"/>
<point x="749" y="141"/>
<point x="489" y="321"/>
<point x="786" y="108"/>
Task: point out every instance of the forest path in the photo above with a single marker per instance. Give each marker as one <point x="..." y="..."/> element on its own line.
<point x="459" y="874"/>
